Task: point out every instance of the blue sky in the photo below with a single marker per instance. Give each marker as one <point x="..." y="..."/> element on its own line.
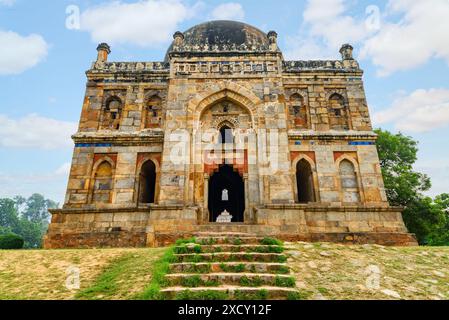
<point x="46" y="48"/>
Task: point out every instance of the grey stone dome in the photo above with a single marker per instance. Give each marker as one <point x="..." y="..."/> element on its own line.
<point x="222" y="36"/>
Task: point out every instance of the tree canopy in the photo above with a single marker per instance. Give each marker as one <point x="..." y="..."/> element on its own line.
<point x="28" y="218"/>
<point x="423" y="216"/>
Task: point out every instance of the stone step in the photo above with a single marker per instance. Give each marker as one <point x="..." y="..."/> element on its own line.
<point x="211" y="240"/>
<point x="235" y="267"/>
<point x="216" y="248"/>
<point x="230" y="293"/>
<point x="191" y="280"/>
<point x="229" y="257"/>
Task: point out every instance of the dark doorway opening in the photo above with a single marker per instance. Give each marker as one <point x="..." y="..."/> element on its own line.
<point x="226" y="135"/>
<point x="304" y="180"/>
<point x="227" y="192"/>
<point x="147" y="188"/>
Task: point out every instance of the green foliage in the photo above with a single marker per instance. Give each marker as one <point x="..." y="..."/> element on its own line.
<point x="404" y="187"/>
<point x="398" y="154"/>
<point x="192" y="281"/>
<point x="237" y="241"/>
<point x="251" y="281"/>
<point x="181" y="242"/>
<point x="283" y="270"/>
<point x="271" y="242"/>
<point x="11" y="241"/>
<point x="288" y="282"/>
<point x="28" y="218"/>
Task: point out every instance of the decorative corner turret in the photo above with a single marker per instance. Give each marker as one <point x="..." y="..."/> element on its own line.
<point x="103" y="51"/>
<point x="272" y="38"/>
<point x="346" y="52"/>
<point x="179" y="39"/>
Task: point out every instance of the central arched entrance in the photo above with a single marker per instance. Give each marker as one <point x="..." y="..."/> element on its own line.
<point x="226" y="192"/>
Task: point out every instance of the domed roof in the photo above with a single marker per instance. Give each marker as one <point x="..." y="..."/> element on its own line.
<point x="221" y="36"/>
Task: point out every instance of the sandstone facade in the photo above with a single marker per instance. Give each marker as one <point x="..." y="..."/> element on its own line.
<point x="289" y="142"/>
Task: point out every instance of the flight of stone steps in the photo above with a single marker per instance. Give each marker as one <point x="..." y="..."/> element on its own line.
<point x="224" y="266"/>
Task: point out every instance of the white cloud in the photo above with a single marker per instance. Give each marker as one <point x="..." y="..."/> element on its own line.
<point x="144" y="23"/>
<point x="324" y="30"/>
<point x="421" y="34"/>
<point x="438" y="171"/>
<point x="34" y="131"/>
<point x="7" y="3"/>
<point x="409" y="32"/>
<point x="51" y="184"/>
<point x="64" y="169"/>
<point x="19" y="53"/>
<point x="229" y="11"/>
<point x="421" y="111"/>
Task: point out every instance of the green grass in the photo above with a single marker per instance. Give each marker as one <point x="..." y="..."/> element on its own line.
<point x="106" y="284"/>
<point x="181" y="242"/>
<point x="251" y="282"/>
<point x="288" y="282"/>
<point x="271" y="242"/>
<point x="160" y="269"/>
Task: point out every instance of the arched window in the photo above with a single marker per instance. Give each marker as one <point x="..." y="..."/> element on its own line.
<point x="102" y="183"/>
<point x="111" y="114"/>
<point x="297" y="110"/>
<point x="304" y="181"/>
<point x="147" y="182"/>
<point x="349" y="183"/>
<point x="226" y="136"/>
<point x="153" y="117"/>
<point x="338" y="113"/>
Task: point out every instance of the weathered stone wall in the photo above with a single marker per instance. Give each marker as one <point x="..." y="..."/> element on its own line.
<point x="288" y="112"/>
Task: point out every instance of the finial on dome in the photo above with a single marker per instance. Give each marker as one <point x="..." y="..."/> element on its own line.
<point x="272" y="38"/>
<point x="103" y="51"/>
<point x="346" y="52"/>
<point x="179" y="38"/>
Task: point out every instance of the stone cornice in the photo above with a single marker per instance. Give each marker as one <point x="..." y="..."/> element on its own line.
<point x="132" y="209"/>
<point x="319" y="207"/>
<point x="321" y="65"/>
<point x="331" y="135"/>
<point x="119" y="138"/>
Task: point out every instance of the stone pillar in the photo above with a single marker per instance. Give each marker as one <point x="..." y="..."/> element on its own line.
<point x="247" y="216"/>
<point x="103" y="51"/>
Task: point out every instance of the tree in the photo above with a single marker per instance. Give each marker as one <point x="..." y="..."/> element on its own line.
<point x="28" y="218"/>
<point x="398" y="154"/>
<point x="405" y="187"/>
<point x="9" y="219"/>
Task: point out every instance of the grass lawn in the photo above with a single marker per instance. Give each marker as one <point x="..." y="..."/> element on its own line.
<point x="332" y="271"/>
<point x="322" y="271"/>
<point x="104" y="273"/>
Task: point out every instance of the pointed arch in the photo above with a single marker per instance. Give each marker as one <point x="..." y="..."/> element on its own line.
<point x="111" y="113"/>
<point x="305" y="182"/>
<point x="298" y="113"/>
<point x="103" y="173"/>
<point x="153" y="115"/>
<point x="349" y="180"/>
<point x="147" y="182"/>
<point x="338" y="112"/>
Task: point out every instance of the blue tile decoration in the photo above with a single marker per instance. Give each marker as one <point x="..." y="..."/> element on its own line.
<point x="90" y="145"/>
<point x="298" y="143"/>
<point x="362" y="143"/>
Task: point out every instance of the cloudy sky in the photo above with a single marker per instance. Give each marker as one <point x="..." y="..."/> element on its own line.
<point x="47" y="45"/>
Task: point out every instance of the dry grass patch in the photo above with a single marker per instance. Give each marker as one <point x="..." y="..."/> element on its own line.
<point x="42" y="274"/>
<point x="332" y="271"/>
